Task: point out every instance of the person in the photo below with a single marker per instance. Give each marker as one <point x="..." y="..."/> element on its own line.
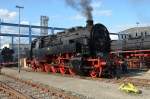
<point x="118" y="73"/>
<point x="116" y="67"/>
<point x="124" y="66"/>
<point x="0" y="68"/>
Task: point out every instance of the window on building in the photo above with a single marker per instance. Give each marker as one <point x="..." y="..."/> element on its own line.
<point x="129" y="35"/>
<point x="145" y="33"/>
<point x="125" y="36"/>
<point x="122" y="36"/>
<point x="141" y="33"/>
<point x="136" y="34"/>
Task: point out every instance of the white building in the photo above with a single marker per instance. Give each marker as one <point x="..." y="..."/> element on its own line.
<point x="137" y="32"/>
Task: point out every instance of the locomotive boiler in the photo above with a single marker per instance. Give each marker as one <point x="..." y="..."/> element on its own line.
<point x="79" y="50"/>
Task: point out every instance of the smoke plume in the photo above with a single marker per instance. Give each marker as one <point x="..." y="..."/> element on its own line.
<point x="84" y="6"/>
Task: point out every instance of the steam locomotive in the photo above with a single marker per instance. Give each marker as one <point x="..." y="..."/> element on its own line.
<point x="79" y="50"/>
<point x="134" y="48"/>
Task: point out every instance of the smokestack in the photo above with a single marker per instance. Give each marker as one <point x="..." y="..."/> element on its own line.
<point x="89" y="24"/>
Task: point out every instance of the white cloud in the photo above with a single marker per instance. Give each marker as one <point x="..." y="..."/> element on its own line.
<point x="77" y="17"/>
<point x="14" y="30"/>
<point x="96" y="4"/>
<point x="25" y="22"/>
<point x="98" y="9"/>
<point x="36" y="23"/>
<point x="95" y="13"/>
<point x="102" y="13"/>
<point x="7" y="15"/>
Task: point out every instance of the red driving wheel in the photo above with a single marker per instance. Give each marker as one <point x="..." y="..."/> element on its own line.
<point x="47" y="68"/>
<point x="100" y="71"/>
<point x="53" y="69"/>
<point x="93" y="74"/>
<point x="62" y="70"/>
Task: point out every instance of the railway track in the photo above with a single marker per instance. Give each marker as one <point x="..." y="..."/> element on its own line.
<point x="13" y="88"/>
<point x="6" y="92"/>
<point x="23" y="88"/>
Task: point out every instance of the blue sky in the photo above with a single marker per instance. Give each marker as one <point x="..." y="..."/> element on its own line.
<point x="115" y="14"/>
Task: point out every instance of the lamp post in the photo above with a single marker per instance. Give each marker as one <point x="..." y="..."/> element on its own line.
<point x="19" y="7"/>
<point x="0" y="33"/>
<point x="137" y="31"/>
<point x="137" y="23"/>
<point x="141" y="59"/>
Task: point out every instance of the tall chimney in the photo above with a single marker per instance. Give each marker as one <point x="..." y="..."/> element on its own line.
<point x="44" y="23"/>
<point x="89" y="24"/>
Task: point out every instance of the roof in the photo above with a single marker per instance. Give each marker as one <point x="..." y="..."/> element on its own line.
<point x="135" y="29"/>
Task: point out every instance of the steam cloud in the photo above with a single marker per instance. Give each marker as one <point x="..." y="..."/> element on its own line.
<point x="84" y="6"/>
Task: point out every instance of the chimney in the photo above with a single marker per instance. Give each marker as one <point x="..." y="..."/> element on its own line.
<point x="89" y="24"/>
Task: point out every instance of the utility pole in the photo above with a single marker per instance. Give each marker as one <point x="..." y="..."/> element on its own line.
<point x="0" y="41"/>
<point x="19" y="8"/>
<point x="140" y="58"/>
<point x="0" y="33"/>
<point x="137" y="32"/>
<point x="137" y="23"/>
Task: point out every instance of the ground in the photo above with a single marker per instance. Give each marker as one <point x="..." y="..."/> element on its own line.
<point x="90" y="88"/>
<point x="145" y="74"/>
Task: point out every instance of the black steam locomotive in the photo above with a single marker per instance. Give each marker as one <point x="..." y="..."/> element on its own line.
<point x="79" y="50"/>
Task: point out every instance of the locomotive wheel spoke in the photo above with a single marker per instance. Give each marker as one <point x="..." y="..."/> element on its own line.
<point x="47" y="68"/>
<point x="42" y="67"/>
<point x="34" y="67"/>
<point x="62" y="70"/>
<point x="53" y="69"/>
<point x="100" y="71"/>
<point x="93" y="74"/>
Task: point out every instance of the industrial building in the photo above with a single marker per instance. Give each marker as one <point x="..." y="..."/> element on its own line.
<point x="135" y="38"/>
<point x="136" y="32"/>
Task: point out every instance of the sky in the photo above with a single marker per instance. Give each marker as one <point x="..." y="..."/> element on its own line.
<point x="116" y="15"/>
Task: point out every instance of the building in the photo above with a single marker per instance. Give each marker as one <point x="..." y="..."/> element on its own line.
<point x="137" y="38"/>
<point x="136" y="32"/>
